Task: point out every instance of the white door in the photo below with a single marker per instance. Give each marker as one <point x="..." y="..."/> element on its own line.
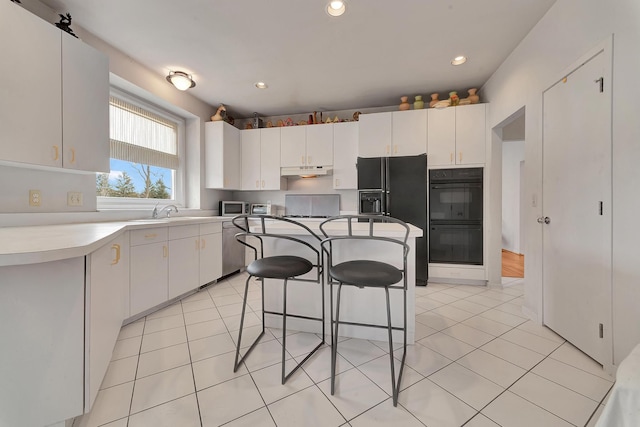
<point x="250" y="141"/>
<point x="576" y="181"/>
<point x="293" y="146"/>
<point x="270" y="178"/>
<point x="470" y="134"/>
<point x="409" y="133"/>
<point x="320" y="145"/>
<point x="441" y="136"/>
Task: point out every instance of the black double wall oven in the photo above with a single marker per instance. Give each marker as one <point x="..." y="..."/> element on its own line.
<point x="455" y="216"/>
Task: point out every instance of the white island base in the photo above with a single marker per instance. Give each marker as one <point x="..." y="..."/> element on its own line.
<point x="366" y="305"/>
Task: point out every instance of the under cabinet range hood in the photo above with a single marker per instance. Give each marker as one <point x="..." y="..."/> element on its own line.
<point x="306" y="171"/>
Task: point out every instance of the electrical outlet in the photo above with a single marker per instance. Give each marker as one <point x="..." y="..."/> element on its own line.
<point x="35" y="198"/>
<point x="74" y="198"/>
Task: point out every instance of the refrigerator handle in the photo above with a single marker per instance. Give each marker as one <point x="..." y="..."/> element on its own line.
<point x="387" y="196"/>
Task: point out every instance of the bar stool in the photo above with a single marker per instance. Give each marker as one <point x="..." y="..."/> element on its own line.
<point x="366" y="273"/>
<point x="283" y="267"/>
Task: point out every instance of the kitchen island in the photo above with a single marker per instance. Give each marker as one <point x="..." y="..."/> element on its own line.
<point x="358" y="305"/>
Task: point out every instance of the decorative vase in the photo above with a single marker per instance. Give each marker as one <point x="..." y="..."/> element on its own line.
<point x="473" y="97"/>
<point x="454" y="98"/>
<point x="419" y="103"/>
<point x="434" y="100"/>
<point x="404" y="105"/>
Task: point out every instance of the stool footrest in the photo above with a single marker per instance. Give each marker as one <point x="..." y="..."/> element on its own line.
<point x="341" y="322"/>
<point x="297" y="316"/>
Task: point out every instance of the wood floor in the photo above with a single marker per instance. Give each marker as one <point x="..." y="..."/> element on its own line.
<point x="512" y="264"/>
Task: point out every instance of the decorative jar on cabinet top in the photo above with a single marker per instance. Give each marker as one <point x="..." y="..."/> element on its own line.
<point x="404" y="105"/>
<point x="473" y="97"/>
<point x="434" y="100"/>
<point x="419" y="103"/>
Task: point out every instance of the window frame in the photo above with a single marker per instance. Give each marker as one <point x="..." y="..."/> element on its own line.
<point x="104" y="203"/>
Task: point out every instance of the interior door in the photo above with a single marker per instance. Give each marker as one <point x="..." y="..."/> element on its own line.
<point x="577" y="206"/>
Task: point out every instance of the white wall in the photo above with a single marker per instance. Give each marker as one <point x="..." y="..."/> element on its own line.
<point x="512" y="155"/>
<point x="568" y="30"/>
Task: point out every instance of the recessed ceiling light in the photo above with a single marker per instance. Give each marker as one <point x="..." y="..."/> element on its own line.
<point x="336" y="7"/>
<point x="261" y="85"/>
<point x="459" y="60"/>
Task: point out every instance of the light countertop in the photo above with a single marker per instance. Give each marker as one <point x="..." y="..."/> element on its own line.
<point x="44" y="243"/>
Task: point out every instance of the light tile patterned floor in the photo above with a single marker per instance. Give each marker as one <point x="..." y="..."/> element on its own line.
<point x="477" y="362"/>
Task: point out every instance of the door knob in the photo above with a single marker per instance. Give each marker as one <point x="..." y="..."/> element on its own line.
<point x="546" y="220"/>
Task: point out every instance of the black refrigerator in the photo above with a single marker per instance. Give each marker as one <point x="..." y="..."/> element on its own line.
<point x="397" y="187"/>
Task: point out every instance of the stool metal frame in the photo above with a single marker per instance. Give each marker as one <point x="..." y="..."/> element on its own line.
<point x="261" y="231"/>
<point x="368" y="232"/>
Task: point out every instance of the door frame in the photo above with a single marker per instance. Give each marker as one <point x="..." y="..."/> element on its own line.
<point x="606" y="48"/>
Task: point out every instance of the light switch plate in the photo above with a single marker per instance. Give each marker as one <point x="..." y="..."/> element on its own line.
<point x="74" y="198"/>
<point x="35" y="198"/>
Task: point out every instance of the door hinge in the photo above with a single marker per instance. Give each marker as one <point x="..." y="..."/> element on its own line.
<point x="601" y="330"/>
<point x="601" y="81"/>
<point x="601" y="208"/>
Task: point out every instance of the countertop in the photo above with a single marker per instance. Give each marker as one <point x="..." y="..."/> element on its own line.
<point x="44" y="243"/>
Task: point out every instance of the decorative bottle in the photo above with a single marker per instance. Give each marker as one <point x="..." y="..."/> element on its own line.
<point x="454" y="98"/>
<point x="473" y="98"/>
<point x="404" y="105"/>
<point x="434" y="100"/>
<point x="419" y="103"/>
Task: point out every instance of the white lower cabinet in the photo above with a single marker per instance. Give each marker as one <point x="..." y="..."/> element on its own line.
<point x="42" y="330"/>
<point x="149" y="269"/>
<point x="184" y="259"/>
<point x="107" y="305"/>
<point x="210" y="252"/>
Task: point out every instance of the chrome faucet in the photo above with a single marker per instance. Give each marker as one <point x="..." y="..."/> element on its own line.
<point x="168" y="209"/>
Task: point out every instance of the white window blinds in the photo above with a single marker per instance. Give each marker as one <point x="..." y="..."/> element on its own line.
<point x="140" y="136"/>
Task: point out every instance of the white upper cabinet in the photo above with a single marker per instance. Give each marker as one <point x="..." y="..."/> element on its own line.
<point x="303" y="146"/>
<point x="320" y="145"/>
<point x="63" y="84"/>
<point x="396" y="133"/>
<point x="270" y="178"/>
<point x="250" y="141"/>
<point x="375" y="133"/>
<point x="261" y="159"/>
<point x="85" y="106"/>
<point x="409" y="133"/>
<point x="222" y="156"/>
<point x="457" y="135"/>
<point x="31" y="95"/>
<point x="345" y="155"/>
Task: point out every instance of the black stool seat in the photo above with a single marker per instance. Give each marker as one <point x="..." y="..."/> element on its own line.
<point x="366" y="273"/>
<point x="279" y="267"/>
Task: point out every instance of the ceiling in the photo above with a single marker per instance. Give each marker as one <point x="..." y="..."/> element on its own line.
<point x="369" y="57"/>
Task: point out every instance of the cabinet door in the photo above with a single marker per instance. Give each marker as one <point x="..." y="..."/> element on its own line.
<point x="441" y="134"/>
<point x="85" y="106"/>
<point x="210" y="257"/>
<point x="320" y="145"/>
<point x="31" y="91"/>
<point x="42" y="330"/>
<point x="107" y="305"/>
<point x="293" y="141"/>
<point x="270" y="159"/>
<point x="222" y="156"/>
<point x="251" y="159"/>
<point x="374" y="138"/>
<point x="409" y="134"/>
<point x="470" y="134"/>
<point x="345" y="156"/>
<point x="184" y="265"/>
<point x="148" y="276"/>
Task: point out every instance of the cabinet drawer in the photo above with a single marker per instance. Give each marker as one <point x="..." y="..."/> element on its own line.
<point x="148" y="235"/>
<point x="183" y="231"/>
<point x="211" y="227"/>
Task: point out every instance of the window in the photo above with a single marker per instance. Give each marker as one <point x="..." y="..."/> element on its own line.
<point x="145" y="155"/>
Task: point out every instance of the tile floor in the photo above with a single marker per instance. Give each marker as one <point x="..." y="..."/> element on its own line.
<point x="477" y="362"/>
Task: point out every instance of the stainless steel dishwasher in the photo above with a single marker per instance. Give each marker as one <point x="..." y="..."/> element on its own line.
<point x="232" y="250"/>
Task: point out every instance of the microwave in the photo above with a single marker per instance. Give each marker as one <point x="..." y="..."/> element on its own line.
<point x="233" y="208"/>
<point x="261" y="209"/>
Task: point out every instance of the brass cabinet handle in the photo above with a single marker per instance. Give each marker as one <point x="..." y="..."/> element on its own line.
<point x="388" y="149"/>
<point x="460" y="156"/>
<point x="337" y="182"/>
<point x="257" y="184"/>
<point x="165" y="251"/>
<point x="117" y="249"/>
<point x="302" y="160"/>
<point x="150" y="236"/>
<point x="395" y="149"/>
<point x="308" y="160"/>
<point x="450" y="157"/>
<point x="204" y="243"/>
<point x="263" y="183"/>
<point x="73" y="155"/>
<point x="56" y="155"/>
